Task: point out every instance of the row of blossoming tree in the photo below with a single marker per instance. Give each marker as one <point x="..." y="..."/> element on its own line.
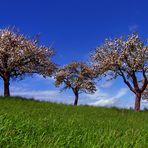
<point x="123" y="57"/>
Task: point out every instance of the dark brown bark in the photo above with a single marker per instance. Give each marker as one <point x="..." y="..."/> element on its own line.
<point x="135" y="89"/>
<point x="126" y="81"/>
<point x="76" y="98"/>
<point x="137" y="102"/>
<point x="6" y="87"/>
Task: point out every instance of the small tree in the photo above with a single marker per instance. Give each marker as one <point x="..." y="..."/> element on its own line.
<point x="78" y="77"/>
<point x="20" y="56"/>
<point x="126" y="58"/>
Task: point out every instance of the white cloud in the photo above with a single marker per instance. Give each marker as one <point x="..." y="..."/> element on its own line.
<point x="107" y="100"/>
<point x="44" y="95"/>
<point x="104" y="102"/>
<point x="121" y="93"/>
<point x="99" y="98"/>
<point x="107" y="84"/>
<point x="102" y="97"/>
<point x="97" y="95"/>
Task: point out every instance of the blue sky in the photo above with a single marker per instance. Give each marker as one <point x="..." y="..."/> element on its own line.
<point x="74" y="28"/>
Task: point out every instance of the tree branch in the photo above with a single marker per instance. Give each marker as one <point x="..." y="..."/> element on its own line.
<point x="126" y="82"/>
<point x="135" y="82"/>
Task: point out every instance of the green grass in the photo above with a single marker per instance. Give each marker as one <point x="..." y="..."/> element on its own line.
<point x="28" y="123"/>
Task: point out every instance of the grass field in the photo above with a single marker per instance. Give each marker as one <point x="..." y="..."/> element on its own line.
<point x="28" y="123"/>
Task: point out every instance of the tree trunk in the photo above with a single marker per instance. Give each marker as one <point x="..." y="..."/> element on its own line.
<point x="6" y="87"/>
<point x="76" y="99"/>
<point x="137" y="102"/>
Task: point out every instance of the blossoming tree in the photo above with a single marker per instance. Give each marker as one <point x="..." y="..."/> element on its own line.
<point x="76" y="76"/>
<point x="127" y="58"/>
<point x="20" y="56"/>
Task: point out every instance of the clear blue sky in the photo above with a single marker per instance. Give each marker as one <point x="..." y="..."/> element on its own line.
<point x="74" y="28"/>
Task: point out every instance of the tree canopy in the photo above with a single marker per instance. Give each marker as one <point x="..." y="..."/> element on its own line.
<point x="20" y="55"/>
<point x="77" y="76"/>
<point x="127" y="58"/>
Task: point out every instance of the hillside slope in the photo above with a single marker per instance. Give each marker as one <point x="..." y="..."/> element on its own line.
<point x="28" y="123"/>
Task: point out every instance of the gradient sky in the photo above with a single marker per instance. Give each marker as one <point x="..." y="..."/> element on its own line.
<point x="74" y="28"/>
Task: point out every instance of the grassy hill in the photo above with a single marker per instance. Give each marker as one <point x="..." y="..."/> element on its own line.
<point x="28" y="123"/>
